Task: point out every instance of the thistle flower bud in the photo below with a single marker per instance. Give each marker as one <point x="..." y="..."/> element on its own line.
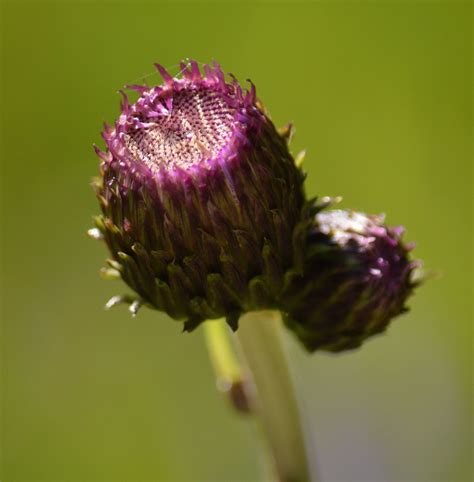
<point x="357" y="277"/>
<point x="200" y="197"/>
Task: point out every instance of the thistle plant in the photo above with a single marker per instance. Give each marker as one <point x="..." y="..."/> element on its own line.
<point x="200" y="198"/>
<point x="205" y="217"/>
<point x="363" y="278"/>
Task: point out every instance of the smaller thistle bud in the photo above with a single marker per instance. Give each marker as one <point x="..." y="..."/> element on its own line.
<point x="357" y="277"/>
<point x="199" y="196"/>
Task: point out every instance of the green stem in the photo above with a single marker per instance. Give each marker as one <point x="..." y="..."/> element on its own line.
<point x="229" y="377"/>
<point x="277" y="408"/>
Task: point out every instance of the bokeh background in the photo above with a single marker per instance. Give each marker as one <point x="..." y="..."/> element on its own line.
<point x="381" y="98"/>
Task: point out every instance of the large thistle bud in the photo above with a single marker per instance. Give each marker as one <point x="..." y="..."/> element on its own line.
<point x="357" y="277"/>
<point x="200" y="197"/>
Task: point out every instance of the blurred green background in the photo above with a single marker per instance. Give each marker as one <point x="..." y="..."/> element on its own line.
<point x="381" y="97"/>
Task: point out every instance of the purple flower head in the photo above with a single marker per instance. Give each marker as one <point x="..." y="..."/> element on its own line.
<point x="199" y="197"/>
<point x="357" y="277"/>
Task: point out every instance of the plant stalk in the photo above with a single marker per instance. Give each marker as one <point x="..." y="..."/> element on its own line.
<point x="259" y="336"/>
<point x="230" y="379"/>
